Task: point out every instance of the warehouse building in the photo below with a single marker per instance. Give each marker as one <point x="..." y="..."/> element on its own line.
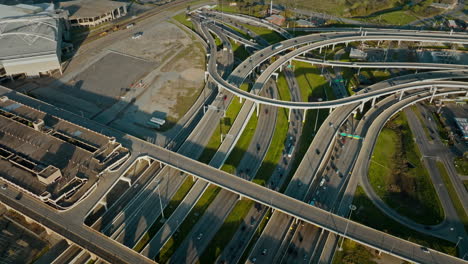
<point x="90" y="13"/>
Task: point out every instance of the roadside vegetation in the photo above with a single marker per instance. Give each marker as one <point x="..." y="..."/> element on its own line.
<point x="415" y="109"/>
<point x="461" y="164"/>
<point x="398" y="176"/>
<point x="170" y="208"/>
<point x="353" y="252"/>
<point x="441" y="129"/>
<point x="239" y="50"/>
<point x="369" y="215"/>
<point x="265" y="33"/>
<point x="453" y="195"/>
<point x="195" y="214"/>
<point x="312" y="85"/>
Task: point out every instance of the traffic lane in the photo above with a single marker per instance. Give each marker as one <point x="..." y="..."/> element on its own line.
<point x="225" y="200"/>
<point x="237" y="245"/>
<point x="200" y="235"/>
<point x="303" y="244"/>
<point x="72" y="229"/>
<point x="267" y="246"/>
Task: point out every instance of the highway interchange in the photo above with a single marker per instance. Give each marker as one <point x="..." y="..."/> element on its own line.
<point x="408" y="89"/>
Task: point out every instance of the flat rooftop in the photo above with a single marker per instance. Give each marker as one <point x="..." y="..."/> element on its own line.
<point x="27" y="149"/>
<point x="29" y="35"/>
<point x="89" y="8"/>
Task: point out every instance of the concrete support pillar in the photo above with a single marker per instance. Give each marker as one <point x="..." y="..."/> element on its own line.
<point x="434" y="90"/>
<point x="240" y="99"/>
<point x="320" y="50"/>
<point x="235" y="41"/>
<point x="373" y="101"/>
<point x="240" y="197"/>
<point x="281" y="68"/>
<point x="401" y="95"/>
<point x="347" y="42"/>
<point x="331" y="109"/>
<point x="361" y="107"/>
<point x="289" y="114"/>
<point x="118" y="11"/>
<point x="296" y="221"/>
<point x="193" y="177"/>
<point x="125" y="9"/>
<point x="333" y="46"/>
<point x="304" y="116"/>
<point x="206" y="76"/>
<point x="378" y="43"/>
<point x="257" y="105"/>
<point x="275" y="74"/>
<point x="127" y="180"/>
<point x="359" y="70"/>
<point x="399" y="42"/>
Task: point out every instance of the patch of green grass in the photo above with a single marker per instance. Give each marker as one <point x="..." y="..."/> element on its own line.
<point x="267" y="34"/>
<point x="400" y="178"/>
<point x="461" y="165"/>
<point x="226" y="232"/>
<point x="400" y="17"/>
<point x="170" y="208"/>
<point x="443" y="133"/>
<point x="224" y="127"/>
<point x="376" y="76"/>
<point x="353" y="253"/>
<point x="241" y="146"/>
<point x="371" y="216"/>
<point x="182" y="18"/>
<point x="421" y="120"/>
<point x="239" y="50"/>
<point x="238" y="30"/>
<point x="453" y="195"/>
<point x="195" y="214"/>
<point x="311" y="84"/>
<point x="283" y="88"/>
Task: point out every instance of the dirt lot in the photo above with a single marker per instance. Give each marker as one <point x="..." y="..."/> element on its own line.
<point x="131" y="80"/>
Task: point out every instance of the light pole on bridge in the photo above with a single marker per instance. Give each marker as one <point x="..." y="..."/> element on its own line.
<point x="352" y="207"/>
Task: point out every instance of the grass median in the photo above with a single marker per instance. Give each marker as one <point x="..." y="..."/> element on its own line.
<point x="265" y="33"/>
<point x="398" y="176"/>
<point x="170" y="208"/>
<point x="453" y="195"/>
<point x="195" y="214"/>
<point x="369" y="215"/>
<point x="311" y="84"/>
<point x="239" y="51"/>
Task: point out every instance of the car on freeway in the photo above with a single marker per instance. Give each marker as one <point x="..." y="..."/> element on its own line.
<point x="4" y="186"/>
<point x="425" y="250"/>
<point x="137" y="35"/>
<point x="264" y="251"/>
<point x="199" y="236"/>
<point x="130" y="25"/>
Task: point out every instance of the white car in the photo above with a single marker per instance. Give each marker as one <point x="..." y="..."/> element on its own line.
<point x="137" y="35"/>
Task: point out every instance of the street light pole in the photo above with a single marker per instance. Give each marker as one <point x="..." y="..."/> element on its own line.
<point x="160" y="202"/>
<point x="352" y="207"/>
<point x="458" y="242"/>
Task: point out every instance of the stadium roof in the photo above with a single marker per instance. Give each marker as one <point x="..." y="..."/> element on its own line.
<point x="28" y="35"/>
<point x="89" y="8"/>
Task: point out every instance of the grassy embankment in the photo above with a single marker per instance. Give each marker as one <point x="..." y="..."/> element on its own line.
<point x="399" y="177"/>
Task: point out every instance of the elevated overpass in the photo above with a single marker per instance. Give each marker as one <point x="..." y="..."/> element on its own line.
<point x="326" y="40"/>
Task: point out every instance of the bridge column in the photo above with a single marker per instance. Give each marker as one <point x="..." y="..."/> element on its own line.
<point x="361" y="107"/>
<point x="296" y="221"/>
<point x="399" y="42"/>
<point x="373" y="101"/>
<point x="333" y="46"/>
<point x="378" y="43"/>
<point x="434" y="90"/>
<point x="127" y="180"/>
<point x="240" y="99"/>
<point x="331" y="109"/>
<point x="347" y="42"/>
<point x="401" y="95"/>
<point x="289" y="114"/>
<point x="103" y="203"/>
<point x="281" y="68"/>
<point x="257" y="105"/>
<point x="206" y="76"/>
<point x="304" y="116"/>
<point x="240" y="197"/>
<point x="320" y="50"/>
<point x="275" y="75"/>
<point x="359" y="70"/>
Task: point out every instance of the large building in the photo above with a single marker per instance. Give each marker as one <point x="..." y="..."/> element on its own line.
<point x="462" y="124"/>
<point x="90" y="13"/>
<point x="30" y="39"/>
<point x="52" y="159"/>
